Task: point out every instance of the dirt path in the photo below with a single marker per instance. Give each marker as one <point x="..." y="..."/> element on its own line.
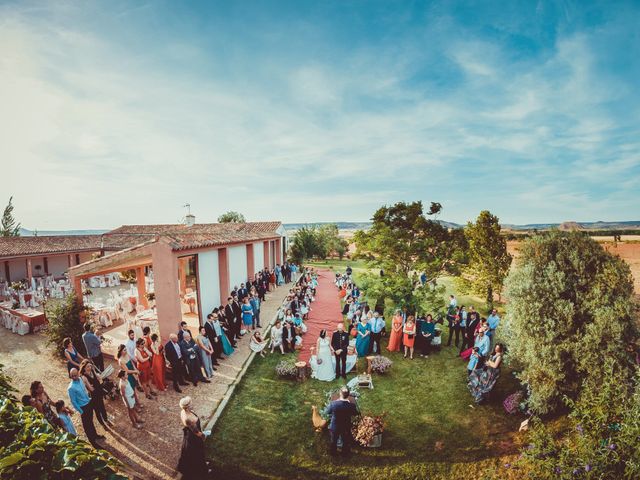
<point x="150" y="453"/>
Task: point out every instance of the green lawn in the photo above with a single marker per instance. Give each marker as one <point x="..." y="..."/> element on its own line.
<point x="432" y="432"/>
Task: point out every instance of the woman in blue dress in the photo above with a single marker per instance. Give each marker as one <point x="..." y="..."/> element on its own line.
<point x="247" y="314"/>
<point x="363" y="337"/>
<point x="227" y="349"/>
<point x="279" y="277"/>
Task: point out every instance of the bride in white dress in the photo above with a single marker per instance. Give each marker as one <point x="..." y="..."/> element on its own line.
<point x="322" y="366"/>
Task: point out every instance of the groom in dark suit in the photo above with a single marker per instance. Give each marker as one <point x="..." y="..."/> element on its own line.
<point x="339" y="345"/>
<point x="341" y="411"/>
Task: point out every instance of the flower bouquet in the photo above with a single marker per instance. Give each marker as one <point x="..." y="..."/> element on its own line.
<point x="367" y="430"/>
<point x="380" y="364"/>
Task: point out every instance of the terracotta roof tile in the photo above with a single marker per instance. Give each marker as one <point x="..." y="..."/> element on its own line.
<point x="126" y="236"/>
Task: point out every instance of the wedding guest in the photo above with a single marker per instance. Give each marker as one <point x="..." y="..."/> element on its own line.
<point x="493" y="321"/>
<point x="247" y="314"/>
<point x="214" y="339"/>
<point x="206" y="351"/>
<point x="257" y="344"/>
<point x="182" y="330"/>
<point x="173" y="354"/>
<point x="242" y="293"/>
<point x="191" y="355"/>
<point x="339" y="347"/>
<point x="81" y="401"/>
<point x="453" y="318"/>
<point x="395" y="338"/>
<point x="341" y="411"/>
<point x="363" y="337"/>
<point x="94" y="386"/>
<point x="130" y="345"/>
<point x="256" y="304"/>
<point x="64" y="414"/>
<point x="469" y="330"/>
<point x="473" y="361"/>
<point x="126" y="364"/>
<point x="237" y="316"/>
<point x="128" y="396"/>
<point x="409" y="339"/>
<point x="158" y="366"/>
<point x="71" y="354"/>
<point x="289" y="336"/>
<point x="426" y="334"/>
<point x="481" y="382"/>
<point x="41" y="401"/>
<point x="192" y="464"/>
<point x="92" y="345"/>
<point x="276" y="337"/>
<point x="143" y="365"/>
<point x="377" y="325"/>
<point x="227" y="347"/>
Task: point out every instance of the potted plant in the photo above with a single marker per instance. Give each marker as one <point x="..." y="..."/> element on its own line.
<point x="367" y="430"/>
<point x="287" y="368"/>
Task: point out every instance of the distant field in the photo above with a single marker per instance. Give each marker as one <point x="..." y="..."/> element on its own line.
<point x="628" y="250"/>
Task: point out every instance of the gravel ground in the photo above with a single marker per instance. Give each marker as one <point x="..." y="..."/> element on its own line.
<point x="152" y="452"/>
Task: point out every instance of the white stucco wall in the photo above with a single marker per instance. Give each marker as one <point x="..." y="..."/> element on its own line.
<point x="209" y="281"/>
<point x="258" y="256"/>
<point x="237" y="265"/>
<point x="18" y="269"/>
<point x="58" y="265"/>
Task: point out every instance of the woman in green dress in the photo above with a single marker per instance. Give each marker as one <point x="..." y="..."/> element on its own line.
<point x="363" y="337"/>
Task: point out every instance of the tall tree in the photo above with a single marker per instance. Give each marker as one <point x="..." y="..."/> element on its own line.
<point x="9" y="226"/>
<point x="231" y="217"/>
<point x="488" y="258"/>
<point x="570" y="306"/>
<point x="404" y="242"/>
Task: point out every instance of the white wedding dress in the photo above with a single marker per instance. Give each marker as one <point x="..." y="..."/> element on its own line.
<point x="322" y="366"/>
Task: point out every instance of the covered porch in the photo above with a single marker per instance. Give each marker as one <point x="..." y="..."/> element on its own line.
<point x="164" y="292"/>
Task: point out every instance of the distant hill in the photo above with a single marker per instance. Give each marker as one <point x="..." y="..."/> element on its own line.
<point x="45" y="233"/>
<point x="292" y="227"/>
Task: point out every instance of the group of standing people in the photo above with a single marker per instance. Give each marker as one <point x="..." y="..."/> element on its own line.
<point x="289" y="328"/>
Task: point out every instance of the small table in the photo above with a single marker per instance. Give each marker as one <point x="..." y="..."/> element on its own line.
<point x="35" y="318"/>
<point x="301" y="373"/>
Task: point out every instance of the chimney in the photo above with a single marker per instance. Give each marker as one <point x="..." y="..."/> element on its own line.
<point x="190" y="220"/>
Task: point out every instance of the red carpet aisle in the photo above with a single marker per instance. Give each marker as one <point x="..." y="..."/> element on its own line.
<point x="325" y="312"/>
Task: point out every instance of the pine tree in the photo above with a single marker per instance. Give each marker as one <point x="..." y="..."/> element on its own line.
<point x="9" y="227"/>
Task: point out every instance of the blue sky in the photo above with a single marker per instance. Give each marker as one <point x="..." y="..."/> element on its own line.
<point x="120" y="112"/>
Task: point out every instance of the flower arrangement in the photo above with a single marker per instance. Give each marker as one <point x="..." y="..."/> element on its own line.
<point x="17" y="286"/>
<point x="366" y="428"/>
<point x="511" y="404"/>
<point x="287" y="368"/>
<point x="150" y="296"/>
<point x="380" y="364"/>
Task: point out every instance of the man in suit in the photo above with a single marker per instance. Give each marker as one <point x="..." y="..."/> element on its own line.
<point x="191" y="355"/>
<point x="288" y="336"/>
<point x="339" y="345"/>
<point x="237" y="312"/>
<point x="183" y="329"/>
<point x="242" y="292"/>
<point x="213" y="337"/>
<point x="230" y="317"/>
<point x="173" y="354"/>
<point x="341" y="411"/>
<point x="473" y="319"/>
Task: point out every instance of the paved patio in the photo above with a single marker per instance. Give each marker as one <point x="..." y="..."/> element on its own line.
<point x="152" y="452"/>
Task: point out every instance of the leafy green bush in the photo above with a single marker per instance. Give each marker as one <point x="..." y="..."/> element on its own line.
<point x="602" y="441"/>
<point x="30" y="448"/>
<point x="65" y="320"/>
<point x="570" y="306"/>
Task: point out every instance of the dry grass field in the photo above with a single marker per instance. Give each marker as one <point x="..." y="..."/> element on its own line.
<point x="628" y="250"/>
